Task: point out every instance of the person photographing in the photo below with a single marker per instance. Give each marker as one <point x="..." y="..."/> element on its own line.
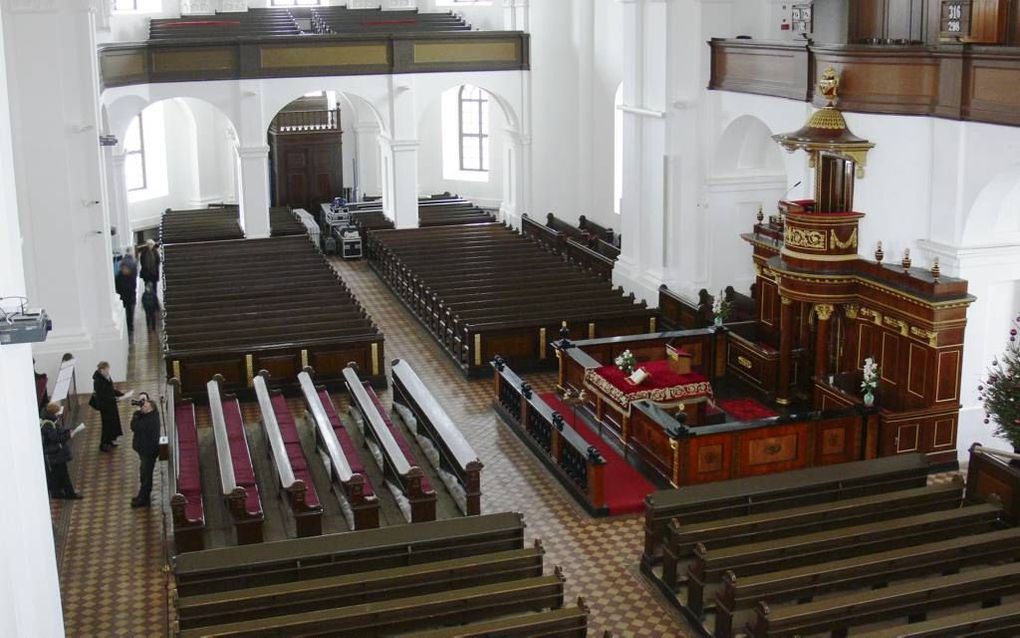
<point x="145" y="428"/>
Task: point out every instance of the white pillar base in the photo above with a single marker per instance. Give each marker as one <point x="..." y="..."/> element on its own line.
<point x="254" y="188"/>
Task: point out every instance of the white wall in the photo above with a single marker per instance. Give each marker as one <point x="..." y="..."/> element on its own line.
<point x="438" y="161"/>
<point x="188" y="152"/>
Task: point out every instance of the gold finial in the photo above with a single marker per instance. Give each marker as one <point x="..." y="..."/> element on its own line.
<point x="879" y="253"/>
<point x="828" y="85"/>
<point x="935" y="270"/>
<point x="761" y="214"/>
<point x="906" y="259"/>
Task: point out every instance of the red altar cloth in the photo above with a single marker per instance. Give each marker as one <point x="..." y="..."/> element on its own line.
<point x="662" y="385"/>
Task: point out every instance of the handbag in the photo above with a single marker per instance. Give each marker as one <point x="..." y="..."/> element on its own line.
<point x="93" y="403"/>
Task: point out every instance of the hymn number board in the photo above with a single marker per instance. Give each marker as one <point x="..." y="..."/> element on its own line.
<point x="955" y="19"/>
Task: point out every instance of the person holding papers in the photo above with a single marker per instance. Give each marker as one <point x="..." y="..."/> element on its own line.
<point x="104" y="399"/>
<point x="56" y="442"/>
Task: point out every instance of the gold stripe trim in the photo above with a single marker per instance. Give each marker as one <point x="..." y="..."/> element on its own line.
<point x="375" y="359"/>
<point x="177" y="369"/>
<point x="249" y="364"/>
<point x="304" y="358"/>
<point x="478" y="349"/>
<point x="591" y="330"/>
<point x="541" y="343"/>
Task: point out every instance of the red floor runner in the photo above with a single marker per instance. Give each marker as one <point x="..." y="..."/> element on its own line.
<point x="746" y="409"/>
<point x="625" y="488"/>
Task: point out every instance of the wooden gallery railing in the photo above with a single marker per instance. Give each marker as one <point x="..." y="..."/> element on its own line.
<point x="577" y="465"/>
<point x="991" y="476"/>
<point x="960" y="82"/>
<point x="275" y="56"/>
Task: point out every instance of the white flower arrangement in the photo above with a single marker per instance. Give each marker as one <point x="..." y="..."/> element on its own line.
<point x="720" y="307"/>
<point x="626" y="362"/>
<point x="870" y="376"/>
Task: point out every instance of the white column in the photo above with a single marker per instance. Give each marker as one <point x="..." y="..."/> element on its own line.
<point x="516" y="165"/>
<point x="29" y="587"/>
<point x="253" y="178"/>
<point x="403" y="146"/>
<point x="116" y="195"/>
<point x="53" y="81"/>
<point x="515" y="15"/>
<point x="366" y="139"/>
<point x="405" y="182"/>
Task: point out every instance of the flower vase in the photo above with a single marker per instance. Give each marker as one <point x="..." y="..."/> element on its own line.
<point x="718" y="321"/>
<point x="869" y="399"/>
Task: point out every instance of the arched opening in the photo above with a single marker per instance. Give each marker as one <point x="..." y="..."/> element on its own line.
<point x="325" y="144"/>
<point x="618" y="150"/>
<point x="176" y="153"/>
<point x="466" y="147"/>
<point x="747" y="173"/>
<point x="990" y="262"/>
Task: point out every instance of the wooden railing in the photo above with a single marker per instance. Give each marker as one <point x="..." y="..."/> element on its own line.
<point x="310" y="55"/>
<point x="577" y="465"/>
<point x="960" y="82"/>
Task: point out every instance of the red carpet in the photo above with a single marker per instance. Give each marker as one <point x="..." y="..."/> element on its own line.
<point x="625" y="488"/>
<point x="746" y="409"/>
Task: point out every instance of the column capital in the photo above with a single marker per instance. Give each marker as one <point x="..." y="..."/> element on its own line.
<point x="850" y="310"/>
<point x="786" y="301"/>
<point x="403" y="146"/>
<point x="253" y="152"/>
<point x="824" y="311"/>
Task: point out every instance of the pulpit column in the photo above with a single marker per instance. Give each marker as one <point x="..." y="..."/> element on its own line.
<point x="824" y="313"/>
<point x="846" y="363"/>
<point x="785" y="351"/>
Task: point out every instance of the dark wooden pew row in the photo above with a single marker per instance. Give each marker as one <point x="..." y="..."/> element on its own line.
<point x="788" y="552"/>
<point x="681" y="540"/>
<point x="203" y="224"/>
<point x="871" y="571"/>
<point x="405" y="614"/>
<point x="284" y="449"/>
<point x="1001" y="620"/>
<point x="680" y="314"/>
<point x="359" y="587"/>
<point x="233" y="568"/>
<point x="912" y="600"/>
<point x="578" y="466"/>
<point x="392" y="452"/>
<point x="359" y="502"/>
<point x="187" y="509"/>
<point x="568" y="622"/>
<point x="456" y="462"/>
<point x="283" y="222"/>
<point x="234" y="307"/>
<point x="590" y="260"/>
<point x="237" y="475"/>
<point x="597" y="230"/>
<point x="741" y="497"/>
<point x="512" y="317"/>
<point x="553" y="240"/>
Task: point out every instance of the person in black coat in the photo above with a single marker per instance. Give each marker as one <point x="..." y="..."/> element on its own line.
<point x="145" y="427"/>
<point x="150" y="303"/>
<point x="126" y="283"/>
<point x="56" y="443"/>
<point x="105" y="400"/>
<point x="149" y="259"/>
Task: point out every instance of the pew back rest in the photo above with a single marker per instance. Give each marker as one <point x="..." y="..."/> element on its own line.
<point x="170" y="423"/>
<point x="222" y="439"/>
<point x="325" y="428"/>
<point x="364" y="404"/>
<point x="405" y="378"/>
<point x="272" y="429"/>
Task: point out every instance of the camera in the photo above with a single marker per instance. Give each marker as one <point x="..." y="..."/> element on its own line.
<point x="138" y="402"/>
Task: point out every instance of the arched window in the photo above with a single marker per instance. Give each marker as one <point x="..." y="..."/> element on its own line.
<point x="618" y="150"/>
<point x="134" y="156"/>
<point x="473" y="120"/>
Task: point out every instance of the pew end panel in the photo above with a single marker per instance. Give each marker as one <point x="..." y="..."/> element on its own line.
<point x="992" y="478"/>
<point x="247" y="526"/>
<point x="187" y="508"/>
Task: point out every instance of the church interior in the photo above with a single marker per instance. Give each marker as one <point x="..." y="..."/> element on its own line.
<point x="510" y="318"/>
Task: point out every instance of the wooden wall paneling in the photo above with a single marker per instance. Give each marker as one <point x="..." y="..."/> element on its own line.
<point x="868" y="19"/>
<point x="988" y="21"/>
<point x="752" y="67"/>
<point x="947" y="370"/>
<point x="989" y="86"/>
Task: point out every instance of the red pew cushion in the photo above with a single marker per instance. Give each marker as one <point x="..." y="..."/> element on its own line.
<point x="398" y="436"/>
<point x="347" y="445"/>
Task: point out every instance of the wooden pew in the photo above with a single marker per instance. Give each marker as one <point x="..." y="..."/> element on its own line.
<point x="712" y="501"/>
<point x="341" y="456"/>
<point x="283" y="446"/>
<point x="709" y="566"/>
<point x="682" y="539"/>
<point x="405" y="614"/>
<point x="187" y="509"/>
<point x="1001" y="620"/>
<point x="679" y="314"/>
<point x="237" y="475"/>
<point x="861" y="572"/>
<point x="577" y="465"/>
<point x="912" y="600"/>
<point x="597" y="230"/>
<point x="358" y="588"/>
<point x="551" y="239"/>
<point x="568" y="622"/>
<point x="391" y="452"/>
<point x="456" y="462"/>
<point x="225" y="569"/>
<point x="589" y="260"/>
